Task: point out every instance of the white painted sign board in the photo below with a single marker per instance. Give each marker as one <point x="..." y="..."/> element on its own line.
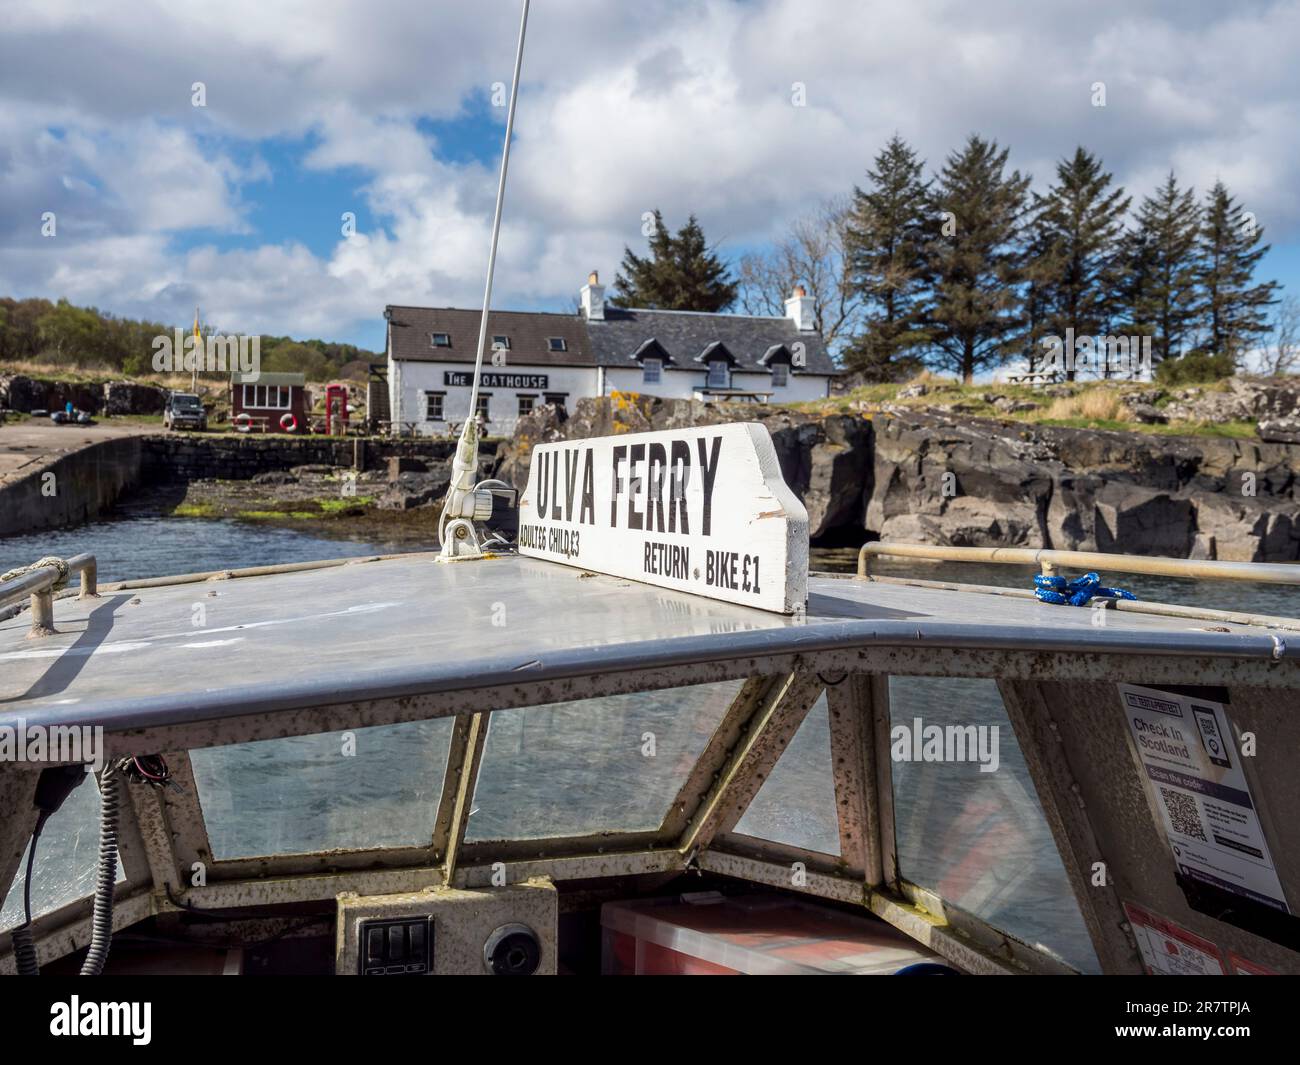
<point x="702" y="510"/>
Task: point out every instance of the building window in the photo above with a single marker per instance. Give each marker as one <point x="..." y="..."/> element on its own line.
<point x="556" y="344"/>
<point x="501" y="342"/>
<point x="719" y="374"/>
<point x="651" y="371"/>
<point x="267" y="397"/>
<point x="433" y="406"/>
<point x="559" y="399"/>
<point x="440" y="340"/>
<point x="482" y="409"/>
<point x="780" y="374"/>
<point x="526" y="404"/>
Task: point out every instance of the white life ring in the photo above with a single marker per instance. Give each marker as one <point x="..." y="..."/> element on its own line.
<point x="243" y="422"/>
<point x="289" y="422"/>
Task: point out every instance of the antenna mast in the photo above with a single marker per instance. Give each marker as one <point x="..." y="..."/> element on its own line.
<point x="464" y="503"/>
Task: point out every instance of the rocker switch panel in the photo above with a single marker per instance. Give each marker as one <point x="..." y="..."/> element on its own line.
<point x="401" y="946"/>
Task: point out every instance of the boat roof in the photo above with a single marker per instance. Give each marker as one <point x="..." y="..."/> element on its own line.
<point x="409" y="625"/>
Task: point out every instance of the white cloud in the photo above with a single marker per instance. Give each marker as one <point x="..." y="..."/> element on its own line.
<point x="685" y="106"/>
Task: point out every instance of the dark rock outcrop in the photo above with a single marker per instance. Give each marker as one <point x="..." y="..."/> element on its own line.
<point x="1237" y="399"/>
<point x="1132" y="519"/>
<point x="902" y="474"/>
<point x="129" y="397"/>
<point x="1283" y="430"/>
<point x="413" y="489"/>
<point x="22" y="393"/>
<point x="940" y="480"/>
<point x="986" y="483"/>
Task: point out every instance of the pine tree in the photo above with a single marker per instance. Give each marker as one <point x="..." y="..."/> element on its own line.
<point x="1041" y="270"/>
<point x="1232" y="310"/>
<point x="886" y="244"/>
<point x="1074" y="239"/>
<point x="1159" y="269"/>
<point x="976" y="257"/>
<point x="681" y="273"/>
<point x="1135" y="273"/>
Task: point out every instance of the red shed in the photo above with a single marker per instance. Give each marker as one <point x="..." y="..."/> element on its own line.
<point x="268" y="402"/>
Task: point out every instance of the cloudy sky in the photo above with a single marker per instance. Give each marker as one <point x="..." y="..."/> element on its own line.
<point x="384" y="109"/>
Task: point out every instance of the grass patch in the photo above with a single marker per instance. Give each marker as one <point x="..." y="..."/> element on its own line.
<point x="296" y="510"/>
<point x="276" y="515"/>
<point x="1231" y="430"/>
<point x="352" y="504"/>
<point x="194" y="510"/>
<point x="1095" y="405"/>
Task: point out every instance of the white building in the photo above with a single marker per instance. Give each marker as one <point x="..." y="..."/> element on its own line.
<point x="537" y="358"/>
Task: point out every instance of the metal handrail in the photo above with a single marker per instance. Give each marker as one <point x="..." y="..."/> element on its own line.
<point x="39" y="584"/>
<point x="1049" y="561"/>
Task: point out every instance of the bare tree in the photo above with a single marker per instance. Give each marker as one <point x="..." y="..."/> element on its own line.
<point x="1283" y="355"/>
<point x="810" y="254"/>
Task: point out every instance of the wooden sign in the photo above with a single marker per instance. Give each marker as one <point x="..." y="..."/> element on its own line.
<point x="700" y="510"/>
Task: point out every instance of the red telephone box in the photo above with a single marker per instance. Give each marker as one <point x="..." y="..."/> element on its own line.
<point x="336" y="410"/>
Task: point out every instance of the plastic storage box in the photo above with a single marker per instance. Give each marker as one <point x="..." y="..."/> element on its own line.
<point x="712" y="934"/>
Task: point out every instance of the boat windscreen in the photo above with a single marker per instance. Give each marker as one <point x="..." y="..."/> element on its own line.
<point x="967" y="820"/>
<point x="67" y="856"/>
<point x="359" y="789"/>
<point x="796" y="804"/>
<point x="610" y="764"/>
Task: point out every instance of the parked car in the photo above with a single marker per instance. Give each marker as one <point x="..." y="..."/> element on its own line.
<point x="184" y="410"/>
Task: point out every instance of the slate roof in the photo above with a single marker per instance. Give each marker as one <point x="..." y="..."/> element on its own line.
<point x="682" y="335"/>
<point x="528" y="332"/>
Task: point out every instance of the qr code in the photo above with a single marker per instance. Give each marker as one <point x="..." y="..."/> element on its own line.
<point x="1183" y="814"/>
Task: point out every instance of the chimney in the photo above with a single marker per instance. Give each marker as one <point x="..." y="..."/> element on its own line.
<point x="799" y="309"/>
<point x="593" y="298"/>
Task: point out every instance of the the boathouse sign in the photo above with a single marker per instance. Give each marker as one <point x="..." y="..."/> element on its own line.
<point x="700" y="510"/>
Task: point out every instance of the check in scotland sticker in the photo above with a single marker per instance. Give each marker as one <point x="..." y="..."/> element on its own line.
<point x="1195" y="779"/>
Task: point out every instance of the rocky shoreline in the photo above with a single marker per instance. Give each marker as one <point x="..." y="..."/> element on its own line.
<point x="943" y="478"/>
<point x="895" y="471"/>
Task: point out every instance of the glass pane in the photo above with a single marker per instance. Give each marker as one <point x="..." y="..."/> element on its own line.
<point x="966" y="818"/>
<point x="612" y="764"/>
<point x="66" y="858"/>
<point x="796" y="804"/>
<point x="359" y="790"/>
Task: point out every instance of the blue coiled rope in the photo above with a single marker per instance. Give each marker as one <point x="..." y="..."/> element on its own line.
<point x="1076" y="592"/>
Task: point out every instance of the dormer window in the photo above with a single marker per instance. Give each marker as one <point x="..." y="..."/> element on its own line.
<point x="719" y="374"/>
<point x="501" y="342"/>
<point x="440" y="340"/>
<point x="556" y="344"/>
<point x="780" y="375"/>
<point x="651" y="371"/>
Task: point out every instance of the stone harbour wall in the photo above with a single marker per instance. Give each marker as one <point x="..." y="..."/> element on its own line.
<point x="84" y="484"/>
<point x="227" y="457"/>
<point x="72" y="488"/>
